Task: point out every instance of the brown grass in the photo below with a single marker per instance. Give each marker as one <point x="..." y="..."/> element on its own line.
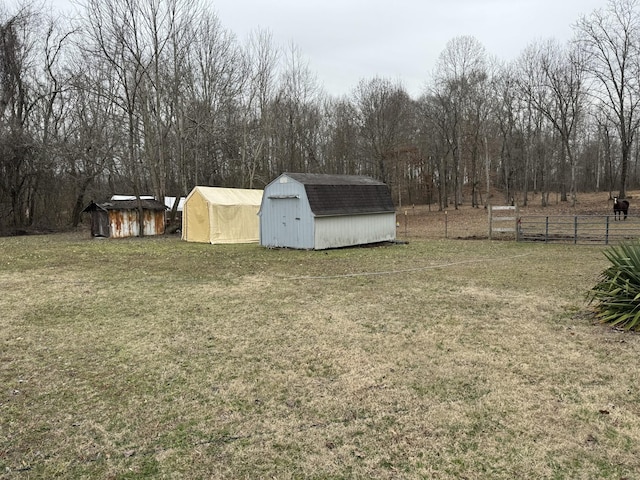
<point x="156" y="358"/>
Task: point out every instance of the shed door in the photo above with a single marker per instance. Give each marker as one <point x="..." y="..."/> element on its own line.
<point x="100" y="224"/>
<point x="289" y="222"/>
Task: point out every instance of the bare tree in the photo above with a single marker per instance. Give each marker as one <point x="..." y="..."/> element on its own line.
<point x="113" y="32"/>
<point x="144" y="43"/>
<point x="214" y="87"/>
<point x="610" y="40"/>
<point x="19" y="99"/>
<point x="383" y="114"/>
<point x="342" y="141"/>
<point x="435" y="146"/>
<point x="92" y="132"/>
<point x="261" y="57"/>
<point x="554" y="84"/>
<point x="460" y="74"/>
<point x="507" y="112"/>
<point x="297" y="108"/>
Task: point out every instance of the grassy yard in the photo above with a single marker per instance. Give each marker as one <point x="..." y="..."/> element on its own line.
<point x="445" y="359"/>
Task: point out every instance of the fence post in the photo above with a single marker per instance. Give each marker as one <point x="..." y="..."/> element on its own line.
<point x="546" y="230"/>
<point x="446" y="224"/>
<point x="575" y="229"/>
<point x="606" y="234"/>
<point x="490" y="222"/>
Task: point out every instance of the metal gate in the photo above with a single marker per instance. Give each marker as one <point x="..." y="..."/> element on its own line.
<point x="577" y="229"/>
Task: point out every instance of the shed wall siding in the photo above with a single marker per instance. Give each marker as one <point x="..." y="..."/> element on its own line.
<point x="124" y="223"/>
<point x="348" y="230"/>
<point x="285" y="218"/>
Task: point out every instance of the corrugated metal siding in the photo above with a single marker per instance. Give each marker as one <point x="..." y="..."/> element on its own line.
<point x="124" y="223"/>
<point x="285" y="217"/>
<point x="348" y="230"/>
<point x="154" y="222"/>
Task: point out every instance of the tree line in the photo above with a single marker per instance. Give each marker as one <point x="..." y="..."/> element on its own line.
<point x="156" y="96"/>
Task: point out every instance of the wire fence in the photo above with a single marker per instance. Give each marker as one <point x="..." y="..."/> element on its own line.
<point x="577" y="229"/>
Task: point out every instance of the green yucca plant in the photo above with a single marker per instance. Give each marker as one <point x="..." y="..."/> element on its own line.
<point x="617" y="293"/>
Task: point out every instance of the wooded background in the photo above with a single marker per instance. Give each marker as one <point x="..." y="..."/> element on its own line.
<point x="156" y="96"/>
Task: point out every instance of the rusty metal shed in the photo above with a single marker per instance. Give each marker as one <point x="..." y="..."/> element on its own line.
<point x="119" y="218"/>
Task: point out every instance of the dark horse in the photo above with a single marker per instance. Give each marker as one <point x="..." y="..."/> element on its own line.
<point x="620" y="207"/>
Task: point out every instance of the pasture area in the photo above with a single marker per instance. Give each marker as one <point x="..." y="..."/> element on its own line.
<point x="466" y="222"/>
<point x="444" y="359"/>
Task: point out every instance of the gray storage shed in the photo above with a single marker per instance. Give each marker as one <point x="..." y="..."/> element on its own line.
<point x="319" y="211"/>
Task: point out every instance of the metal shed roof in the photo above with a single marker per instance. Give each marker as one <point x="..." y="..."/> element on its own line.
<point x="344" y="194"/>
<point x="147" y="204"/>
<point x="168" y="201"/>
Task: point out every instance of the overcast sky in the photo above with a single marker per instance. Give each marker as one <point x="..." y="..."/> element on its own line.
<point x="345" y="41"/>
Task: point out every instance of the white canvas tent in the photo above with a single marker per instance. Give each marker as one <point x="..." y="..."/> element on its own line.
<point x="221" y="215"/>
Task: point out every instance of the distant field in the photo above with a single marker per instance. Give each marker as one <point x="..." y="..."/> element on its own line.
<point x="447" y="359"/>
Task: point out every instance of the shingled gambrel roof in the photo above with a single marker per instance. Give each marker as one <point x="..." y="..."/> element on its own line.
<point x="344" y="194"/>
